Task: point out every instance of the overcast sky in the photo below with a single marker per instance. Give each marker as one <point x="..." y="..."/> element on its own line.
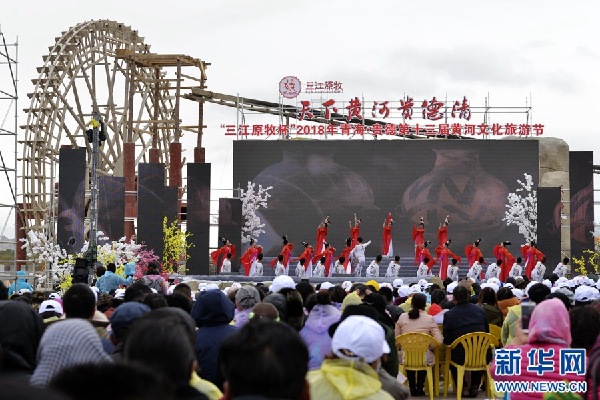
<point x="514" y="51"/>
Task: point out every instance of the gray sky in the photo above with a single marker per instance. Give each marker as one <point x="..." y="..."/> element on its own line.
<point x="380" y="50"/>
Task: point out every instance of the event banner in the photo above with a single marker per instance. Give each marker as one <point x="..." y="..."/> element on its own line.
<point x="72" y="173"/>
<point x="198" y="217"/>
<point x="549" y="219"/>
<point x="230" y="227"/>
<point x="582" y="201"/>
<point x="111" y="206"/>
<point x="152" y="204"/>
<point x="469" y="180"/>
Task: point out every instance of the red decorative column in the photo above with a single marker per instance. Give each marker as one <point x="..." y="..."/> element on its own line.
<point x="130" y="189"/>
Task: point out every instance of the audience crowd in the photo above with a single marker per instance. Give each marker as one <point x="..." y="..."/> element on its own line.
<point x="152" y="339"/>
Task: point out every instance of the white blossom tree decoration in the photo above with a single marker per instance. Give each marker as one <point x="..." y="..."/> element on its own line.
<point x="252" y="200"/>
<point x="522" y="209"/>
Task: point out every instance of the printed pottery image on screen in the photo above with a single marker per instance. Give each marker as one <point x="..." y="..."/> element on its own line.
<point x="457" y="186"/>
<point x="467" y="179"/>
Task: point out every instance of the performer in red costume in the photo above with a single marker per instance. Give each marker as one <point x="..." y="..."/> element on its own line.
<point x="473" y="253"/>
<point x="286" y="252"/>
<point x="307" y="254"/>
<point x="501" y="253"/>
<point x="418" y="236"/>
<point x="222" y="252"/>
<point x="531" y="255"/>
<point x="354" y="230"/>
<point x="322" y="235"/>
<point x="328" y="253"/>
<point x="387" y="250"/>
<point x="423" y="252"/>
<point x="250" y="256"/>
<point x="444" y="257"/>
<point x="443" y="232"/>
<point x="346" y="254"/>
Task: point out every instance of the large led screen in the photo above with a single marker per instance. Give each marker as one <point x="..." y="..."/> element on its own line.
<point x="466" y="179"/>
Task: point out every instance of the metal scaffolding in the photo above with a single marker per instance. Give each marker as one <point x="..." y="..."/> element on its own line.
<point x="9" y="53"/>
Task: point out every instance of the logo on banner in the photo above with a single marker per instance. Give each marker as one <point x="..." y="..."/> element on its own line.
<point x="290" y="87"/>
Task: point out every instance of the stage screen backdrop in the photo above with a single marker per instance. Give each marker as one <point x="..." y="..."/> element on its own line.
<point x="466" y="179"/>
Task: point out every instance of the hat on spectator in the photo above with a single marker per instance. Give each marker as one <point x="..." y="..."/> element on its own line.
<point x="529" y="285"/>
<point x="282" y="282"/>
<point x="346" y="285"/>
<point x="562" y="281"/>
<point x="247" y="297"/>
<point x="51" y="305"/>
<point x="547" y="283"/>
<point x="126" y="314"/>
<point x="386" y="284"/>
<point x="359" y="338"/>
<point x="578" y="280"/>
<point x="586" y="294"/>
<point x="24" y="290"/>
<point x="211" y="286"/>
<point x="422" y="282"/>
<point x="570" y="295"/>
<point x="450" y="288"/>
<point x="397" y="282"/>
<point x="119" y="294"/>
<point x="326" y="285"/>
<point x="373" y="283"/>
<point x="414" y="289"/>
<point x="403" y="291"/>
<point x="519" y="294"/>
<point x="495" y="281"/>
<point x="509" y="285"/>
<point x="54" y="296"/>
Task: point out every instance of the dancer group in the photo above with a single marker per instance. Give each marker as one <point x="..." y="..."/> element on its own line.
<point x="322" y="261"/>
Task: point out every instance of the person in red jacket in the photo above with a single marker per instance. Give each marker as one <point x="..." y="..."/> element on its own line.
<point x="322" y="235"/>
<point x="531" y="255"/>
<point x="473" y="253"/>
<point x="250" y="256"/>
<point x="307" y="254"/>
<point x="346" y="254"/>
<point x="444" y="257"/>
<point x="501" y="253"/>
<point x="387" y="250"/>
<point x="423" y="252"/>
<point x="328" y="254"/>
<point x="443" y="232"/>
<point x="222" y="253"/>
<point x="286" y="252"/>
<point x="418" y="236"/>
<point x="354" y="231"/>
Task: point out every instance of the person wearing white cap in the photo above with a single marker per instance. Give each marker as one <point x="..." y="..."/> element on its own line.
<point x="397" y="283"/>
<point x="538" y="272"/>
<point x="585" y="295"/>
<point x="423" y="270"/>
<point x="516" y="269"/>
<point x="562" y="268"/>
<point x="393" y="268"/>
<point x="373" y="268"/>
<point x="357" y="345"/>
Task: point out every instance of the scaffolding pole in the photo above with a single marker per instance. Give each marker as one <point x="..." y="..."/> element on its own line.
<point x="9" y="54"/>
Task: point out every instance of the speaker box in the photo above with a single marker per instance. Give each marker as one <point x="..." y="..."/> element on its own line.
<point x="80" y="271"/>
